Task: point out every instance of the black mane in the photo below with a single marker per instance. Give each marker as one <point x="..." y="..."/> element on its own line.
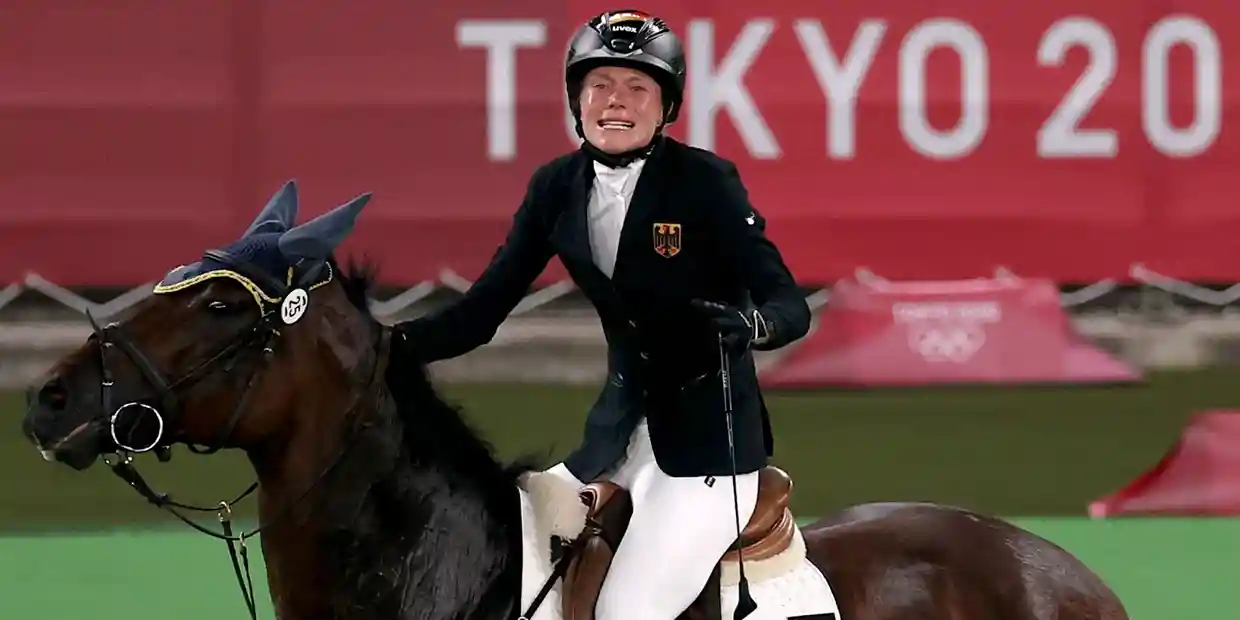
<point x="442" y="435"/>
<point x="423" y="515"/>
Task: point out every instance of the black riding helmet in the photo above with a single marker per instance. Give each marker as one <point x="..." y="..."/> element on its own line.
<point x="627" y="38"/>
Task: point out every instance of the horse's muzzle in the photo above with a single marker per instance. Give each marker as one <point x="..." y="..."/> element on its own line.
<point x="78" y="447"/>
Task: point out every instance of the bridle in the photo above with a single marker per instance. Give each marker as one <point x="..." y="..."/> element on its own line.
<point x="262" y="335"/>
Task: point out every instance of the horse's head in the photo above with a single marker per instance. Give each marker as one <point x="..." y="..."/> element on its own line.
<point x="223" y="354"/>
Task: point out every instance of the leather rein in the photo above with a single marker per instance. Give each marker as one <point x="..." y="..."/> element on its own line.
<point x="262" y="335"/>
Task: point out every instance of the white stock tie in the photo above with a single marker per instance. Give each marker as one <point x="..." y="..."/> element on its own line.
<point x="609" y="203"/>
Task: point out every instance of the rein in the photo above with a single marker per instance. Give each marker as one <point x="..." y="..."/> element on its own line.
<point x="264" y="333"/>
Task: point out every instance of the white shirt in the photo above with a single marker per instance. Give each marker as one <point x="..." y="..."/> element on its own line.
<point x="609" y="203"/>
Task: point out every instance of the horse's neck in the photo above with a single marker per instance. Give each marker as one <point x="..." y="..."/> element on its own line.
<point x="378" y="535"/>
<point x="298" y="475"/>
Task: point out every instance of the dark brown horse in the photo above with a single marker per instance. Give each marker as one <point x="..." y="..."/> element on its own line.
<point x="378" y="501"/>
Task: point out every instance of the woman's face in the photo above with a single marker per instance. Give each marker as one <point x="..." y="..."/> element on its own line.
<point x="621" y="108"/>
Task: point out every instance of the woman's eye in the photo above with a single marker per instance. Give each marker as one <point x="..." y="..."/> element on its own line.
<point x="219" y="306"/>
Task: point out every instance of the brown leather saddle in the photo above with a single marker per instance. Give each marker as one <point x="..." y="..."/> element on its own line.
<point x="769" y="532"/>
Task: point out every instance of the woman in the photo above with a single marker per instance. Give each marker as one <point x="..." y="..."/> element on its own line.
<point x="661" y="238"/>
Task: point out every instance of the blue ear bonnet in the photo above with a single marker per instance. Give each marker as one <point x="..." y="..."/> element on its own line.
<point x="255" y="262"/>
<point x="274" y="257"/>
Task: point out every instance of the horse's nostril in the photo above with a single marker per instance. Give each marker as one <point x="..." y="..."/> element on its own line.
<point x="53" y="395"/>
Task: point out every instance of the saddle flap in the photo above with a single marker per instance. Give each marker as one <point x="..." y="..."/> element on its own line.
<point x="774" y="492"/>
<point x="608" y="509"/>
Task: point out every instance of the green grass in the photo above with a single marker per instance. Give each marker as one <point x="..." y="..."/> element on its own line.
<point x="1163" y="569"/>
<point x="1020" y="451"/>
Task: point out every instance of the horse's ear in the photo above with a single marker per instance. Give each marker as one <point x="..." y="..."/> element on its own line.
<point x="280" y="213"/>
<point x="318" y="238"/>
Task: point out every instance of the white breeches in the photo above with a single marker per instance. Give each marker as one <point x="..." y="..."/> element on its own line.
<point x="680" y="529"/>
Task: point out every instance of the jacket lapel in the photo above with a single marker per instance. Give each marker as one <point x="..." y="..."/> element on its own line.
<point x="571" y="234"/>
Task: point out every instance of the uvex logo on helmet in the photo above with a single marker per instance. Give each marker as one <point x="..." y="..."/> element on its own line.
<point x="627" y="38"/>
<point x="628" y="22"/>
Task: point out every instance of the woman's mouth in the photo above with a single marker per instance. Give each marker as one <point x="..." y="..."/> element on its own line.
<point x="615" y="125"/>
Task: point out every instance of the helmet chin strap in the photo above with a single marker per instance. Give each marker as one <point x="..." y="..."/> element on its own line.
<point x="620" y="160"/>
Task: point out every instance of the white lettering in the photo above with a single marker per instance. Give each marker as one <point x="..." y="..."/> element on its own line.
<point x="501" y="38"/>
<point x="1207" y="87"/>
<point x="914" y="51"/>
<point x="839" y="83"/>
<point x="712" y="90"/>
<point x="1060" y="135"/>
<point x="715" y="86"/>
<point x="976" y="311"/>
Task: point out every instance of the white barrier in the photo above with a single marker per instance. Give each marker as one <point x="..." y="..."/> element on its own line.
<point x="1150" y="280"/>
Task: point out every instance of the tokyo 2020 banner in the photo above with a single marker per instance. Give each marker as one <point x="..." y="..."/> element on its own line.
<point x="1062" y="139"/>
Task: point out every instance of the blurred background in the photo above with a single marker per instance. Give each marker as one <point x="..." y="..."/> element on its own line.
<point x="1016" y="224"/>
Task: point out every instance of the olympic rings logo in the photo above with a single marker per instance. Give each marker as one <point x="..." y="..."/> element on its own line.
<point x="947" y="343"/>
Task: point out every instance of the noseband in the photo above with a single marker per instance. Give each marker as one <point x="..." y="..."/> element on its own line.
<point x="166" y="409"/>
<point x="167" y="406"/>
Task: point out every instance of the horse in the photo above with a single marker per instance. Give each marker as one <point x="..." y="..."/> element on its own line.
<point x="378" y="500"/>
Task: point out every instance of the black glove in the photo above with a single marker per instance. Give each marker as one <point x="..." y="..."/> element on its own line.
<point x="740" y="329"/>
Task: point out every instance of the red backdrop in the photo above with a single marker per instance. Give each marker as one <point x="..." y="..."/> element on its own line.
<point x="133" y="134"/>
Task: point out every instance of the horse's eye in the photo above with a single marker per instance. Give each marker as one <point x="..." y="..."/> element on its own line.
<point x="220" y="307"/>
